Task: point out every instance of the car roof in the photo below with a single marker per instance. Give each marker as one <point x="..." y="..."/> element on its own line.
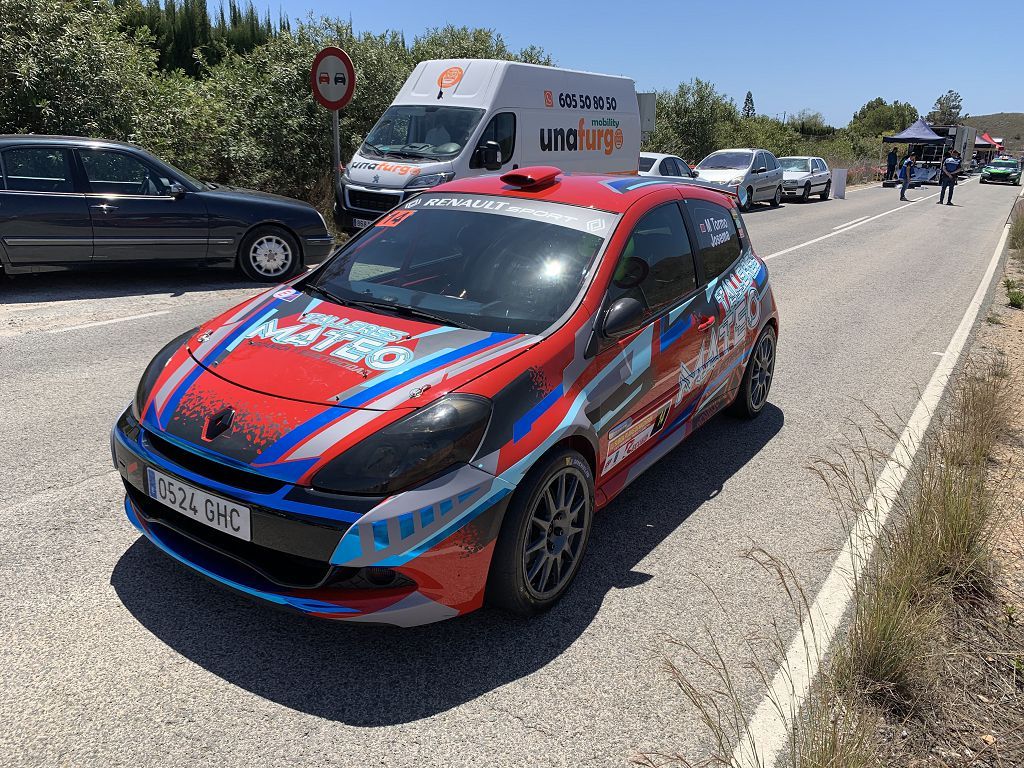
<point x="658" y="155"/>
<point x="614" y="194"/>
<point x="39" y="138"/>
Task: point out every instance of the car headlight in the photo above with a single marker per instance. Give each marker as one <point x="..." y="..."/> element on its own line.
<point x="414" y="448"/>
<point x="430" y="180"/>
<point x="736" y="182"/>
<point x="154" y="369"/>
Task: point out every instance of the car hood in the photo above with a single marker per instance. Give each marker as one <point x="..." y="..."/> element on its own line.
<point x="390" y="172"/>
<point x="795" y="175"/>
<point x="720" y="175"/>
<point x="990" y="169"/>
<point x="224" y="191"/>
<point x="290" y="345"/>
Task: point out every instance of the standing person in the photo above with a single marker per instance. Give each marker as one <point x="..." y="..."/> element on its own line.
<point x="890" y="165"/>
<point x="906" y="171"/>
<point x="948" y="172"/>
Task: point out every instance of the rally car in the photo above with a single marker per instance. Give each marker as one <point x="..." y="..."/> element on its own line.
<point x="1005" y="171"/>
<point x="428" y="420"/>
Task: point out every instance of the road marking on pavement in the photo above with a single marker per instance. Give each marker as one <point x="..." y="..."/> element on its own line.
<point x="768" y="731"/>
<point x="108" y="322"/>
<point x="850" y="222"/>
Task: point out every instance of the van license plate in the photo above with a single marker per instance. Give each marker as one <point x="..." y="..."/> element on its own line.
<point x="203" y="507"/>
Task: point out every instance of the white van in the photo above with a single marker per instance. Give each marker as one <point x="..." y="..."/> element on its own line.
<point x="466" y="117"/>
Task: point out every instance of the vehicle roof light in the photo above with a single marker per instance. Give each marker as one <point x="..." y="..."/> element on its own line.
<point x="533" y="176"/>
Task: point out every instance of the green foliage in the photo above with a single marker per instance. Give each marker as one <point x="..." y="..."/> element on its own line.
<point x="947" y="109"/>
<point x="1016" y="298"/>
<point x="748" y="105"/>
<point x="878" y="118"/>
<point x="694" y="121"/>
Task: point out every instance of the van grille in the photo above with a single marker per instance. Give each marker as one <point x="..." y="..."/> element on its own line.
<point x="371" y="201"/>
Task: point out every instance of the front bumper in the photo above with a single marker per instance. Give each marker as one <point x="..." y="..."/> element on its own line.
<point x="357" y="206"/>
<point x="317" y="248"/>
<point x="1002" y="178"/>
<point x="414" y="558"/>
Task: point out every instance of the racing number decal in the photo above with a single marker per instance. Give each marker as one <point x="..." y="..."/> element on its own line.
<point x="395" y="218"/>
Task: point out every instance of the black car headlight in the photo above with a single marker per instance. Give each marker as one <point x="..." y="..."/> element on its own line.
<point x="153" y="371"/>
<point x="412" y="449"/>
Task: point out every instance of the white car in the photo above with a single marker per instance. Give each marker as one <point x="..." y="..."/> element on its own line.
<point x="805" y="176"/>
<point x="656" y="164"/>
<point x="754" y="175"/>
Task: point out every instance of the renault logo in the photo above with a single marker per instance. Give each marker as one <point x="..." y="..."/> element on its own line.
<point x="218" y="424"/>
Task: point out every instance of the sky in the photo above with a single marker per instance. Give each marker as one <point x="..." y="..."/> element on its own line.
<point x="830" y="57"/>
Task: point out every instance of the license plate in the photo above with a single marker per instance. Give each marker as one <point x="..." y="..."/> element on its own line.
<point x="214" y="511"/>
<point x="361" y="223"/>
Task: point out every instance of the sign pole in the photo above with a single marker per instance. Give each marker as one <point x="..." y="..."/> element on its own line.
<point x="336" y="149"/>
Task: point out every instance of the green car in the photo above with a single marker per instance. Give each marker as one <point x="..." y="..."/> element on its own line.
<point x="1006" y="171"/>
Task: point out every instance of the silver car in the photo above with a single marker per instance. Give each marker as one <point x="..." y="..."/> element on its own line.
<point x="754" y="175"/>
<point x="804" y="176"/>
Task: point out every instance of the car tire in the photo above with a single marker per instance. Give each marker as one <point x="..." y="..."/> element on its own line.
<point x="757" y="378"/>
<point x="806" y="194"/>
<point x="981" y="181"/>
<point x="536" y="537"/>
<point x="777" y="200"/>
<point x="827" y="190"/>
<point x="750" y="200"/>
<point x="269" y="255"/>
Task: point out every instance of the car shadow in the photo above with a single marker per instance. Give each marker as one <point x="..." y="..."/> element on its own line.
<point x="121" y="281"/>
<point x="374" y="676"/>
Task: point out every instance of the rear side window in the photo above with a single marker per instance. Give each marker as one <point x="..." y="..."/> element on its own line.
<point x="660" y="241"/>
<point x="668" y="167"/>
<point x="646" y="163"/>
<point x="502" y="129"/>
<point x="716" y="234"/>
<point x="773" y="164"/>
<point x="38" y="169"/>
<point x="820" y="165"/>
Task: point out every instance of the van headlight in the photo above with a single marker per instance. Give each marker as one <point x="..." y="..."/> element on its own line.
<point x="412" y="449"/>
<point x="153" y="370"/>
<point x="430" y="180"/>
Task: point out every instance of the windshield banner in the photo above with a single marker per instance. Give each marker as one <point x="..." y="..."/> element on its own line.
<point x="599" y="223"/>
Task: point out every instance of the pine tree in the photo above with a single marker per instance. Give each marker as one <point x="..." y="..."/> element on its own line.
<point x="748" y="105"/>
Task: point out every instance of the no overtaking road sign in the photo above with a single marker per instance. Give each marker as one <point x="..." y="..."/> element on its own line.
<point x="333" y="78"/>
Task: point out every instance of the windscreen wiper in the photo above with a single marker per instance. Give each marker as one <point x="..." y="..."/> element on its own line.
<point x="402" y="309"/>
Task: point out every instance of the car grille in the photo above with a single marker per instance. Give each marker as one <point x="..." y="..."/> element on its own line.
<point x="364" y="200"/>
<point x="211" y="469"/>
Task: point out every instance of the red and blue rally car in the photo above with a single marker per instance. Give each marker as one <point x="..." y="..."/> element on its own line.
<point x="428" y="420"/>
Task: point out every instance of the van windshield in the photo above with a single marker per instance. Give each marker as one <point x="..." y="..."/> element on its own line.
<point x="472" y="261"/>
<point x="422" y="130"/>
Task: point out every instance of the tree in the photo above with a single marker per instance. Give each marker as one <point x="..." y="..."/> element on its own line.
<point x="748" y="105"/>
<point x="947" y="109"/>
<point x="878" y="118"/>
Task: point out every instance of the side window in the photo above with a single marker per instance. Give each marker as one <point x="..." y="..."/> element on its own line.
<point x="821" y="165"/>
<point x="502" y="129"/>
<point x="770" y="162"/>
<point x="760" y="161"/>
<point x="660" y="242"/>
<point x="717" y="238"/>
<point x="668" y="167"/>
<point x="116" y="173"/>
<point x="38" y="169"/>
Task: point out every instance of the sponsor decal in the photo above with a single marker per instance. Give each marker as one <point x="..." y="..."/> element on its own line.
<point x="395" y="218"/>
<point x="400" y="168"/>
<point x="718" y="228"/>
<point x="600" y="136"/>
<point x="549" y="99"/>
<point x="448" y="79"/>
<point x="354" y="341"/>
<point x="626" y="437"/>
<point x="287" y="294"/>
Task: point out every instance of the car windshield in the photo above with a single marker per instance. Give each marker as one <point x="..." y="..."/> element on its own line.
<point x="646" y="163"/>
<point x="801" y="164"/>
<point x="727" y="160"/>
<point x="474" y="261"/>
<point x="1004" y="164"/>
<point x="416" y="130"/>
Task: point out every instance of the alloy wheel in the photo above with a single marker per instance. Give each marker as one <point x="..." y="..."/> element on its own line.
<point x="762" y="371"/>
<point x="556" y="534"/>
<point x="270" y="256"/>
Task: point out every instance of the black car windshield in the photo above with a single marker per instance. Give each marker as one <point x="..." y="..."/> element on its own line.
<point x="417" y="130"/>
<point x="1004" y="164"/>
<point x="493" y="263"/>
<point x="727" y="160"/>
<point x="646" y="163"/>
<point x="801" y="164"/>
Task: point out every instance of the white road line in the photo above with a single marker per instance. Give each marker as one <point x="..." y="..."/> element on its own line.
<point x="850" y="222"/>
<point x="769" y="728"/>
<point x="108" y="322"/>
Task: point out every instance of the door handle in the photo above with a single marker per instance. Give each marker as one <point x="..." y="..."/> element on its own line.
<point x="706" y="323"/>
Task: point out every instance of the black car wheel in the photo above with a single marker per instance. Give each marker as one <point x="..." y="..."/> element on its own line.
<point x="757" y="378"/>
<point x="543" y="536"/>
<point x="807" y="193"/>
<point x="777" y="200"/>
<point x="269" y="255"/>
<point x="827" y="190"/>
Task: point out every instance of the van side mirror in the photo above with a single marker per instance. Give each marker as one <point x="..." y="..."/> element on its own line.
<point x="176" y="190"/>
<point x="488" y="155"/>
<point x="622" y="318"/>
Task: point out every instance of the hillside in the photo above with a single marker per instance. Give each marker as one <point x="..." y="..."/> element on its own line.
<point x="1008" y="125"/>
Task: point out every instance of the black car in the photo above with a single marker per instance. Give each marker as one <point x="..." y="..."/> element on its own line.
<point x="68" y="201"/>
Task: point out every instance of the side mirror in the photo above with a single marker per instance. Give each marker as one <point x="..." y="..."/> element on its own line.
<point x="622" y="318"/>
<point x="488" y="155"/>
<point x="176" y="190"/>
<point x="762" y="169"/>
<point x="695" y="173"/>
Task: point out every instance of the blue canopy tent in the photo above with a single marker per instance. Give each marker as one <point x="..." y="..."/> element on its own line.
<point x="918" y="133"/>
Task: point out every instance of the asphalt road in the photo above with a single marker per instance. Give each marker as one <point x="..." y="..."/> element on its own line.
<point x="113" y="655"/>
